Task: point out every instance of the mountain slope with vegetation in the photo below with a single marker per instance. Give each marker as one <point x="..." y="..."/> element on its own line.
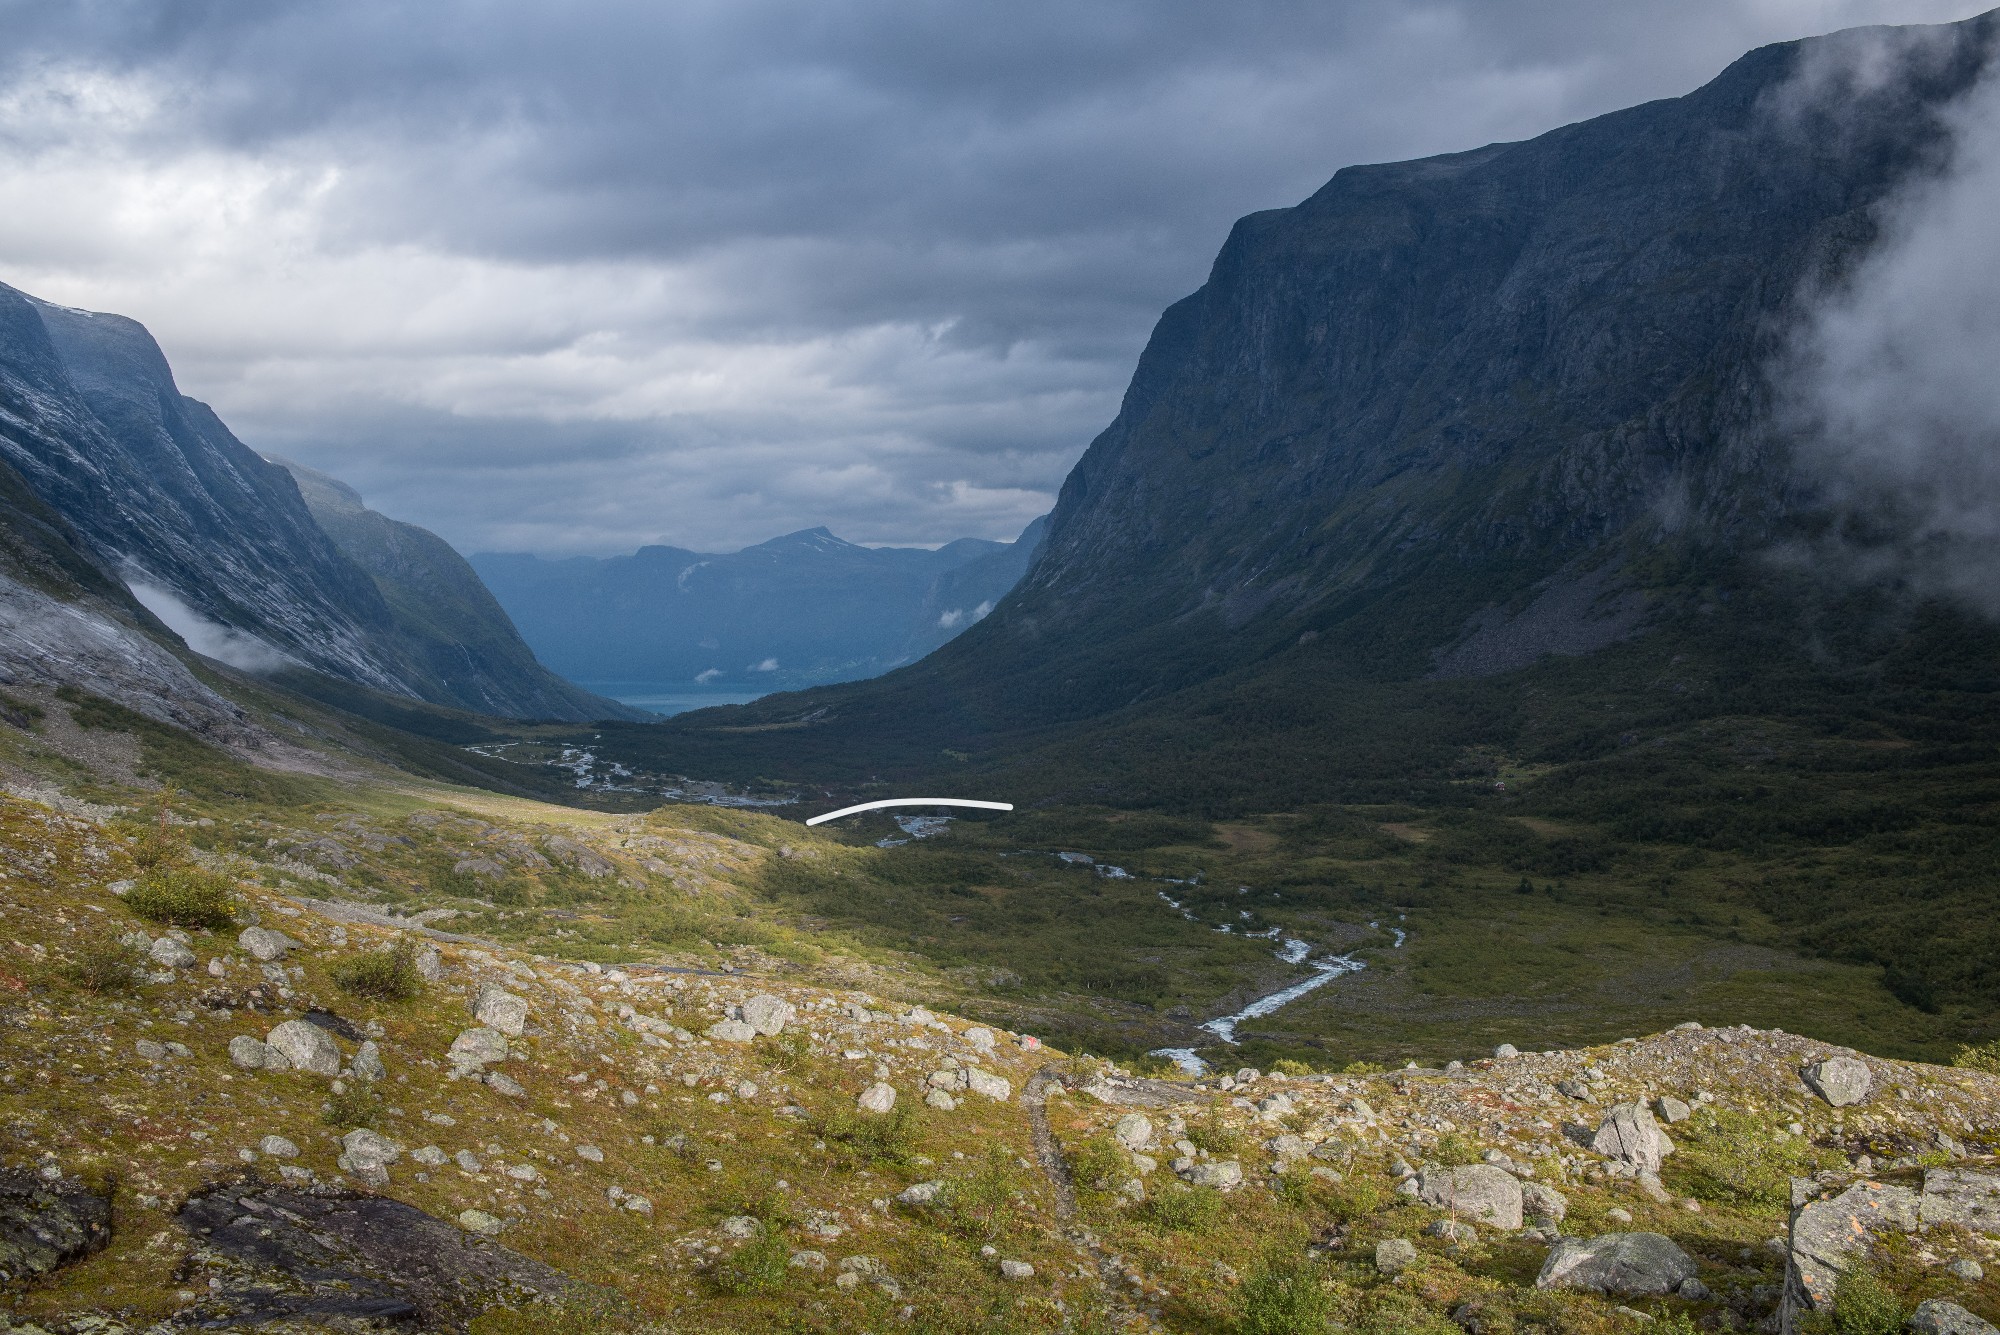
<point x="332" y="1053"/>
<point x="462" y="647"/>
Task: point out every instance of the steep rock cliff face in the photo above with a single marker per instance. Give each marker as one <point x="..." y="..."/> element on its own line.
<point x="162" y="494"/>
<point x="118" y="485"/>
<point x="1400" y="411"/>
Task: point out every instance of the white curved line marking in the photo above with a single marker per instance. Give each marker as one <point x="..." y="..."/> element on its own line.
<point x="912" y="802"/>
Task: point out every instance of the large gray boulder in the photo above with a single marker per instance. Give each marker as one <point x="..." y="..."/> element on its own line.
<point x="1626" y="1265"/>
<point x="307" y="1047"/>
<point x="1935" y="1316"/>
<point x="366" y="1155"/>
<point x="993" y="1086"/>
<point x="497" y="1008"/>
<point x="254" y="1054"/>
<point x="878" y="1098"/>
<point x="1828" y="1235"/>
<point x="261" y="943"/>
<point x="1395" y="1255"/>
<point x="1540" y="1201"/>
<point x="1839" y="1080"/>
<point x="732" y="1031"/>
<point x="767" y="1014"/>
<point x="1963" y="1197"/>
<point x="1134" y="1131"/>
<point x="1629" y="1135"/>
<point x="476" y="1049"/>
<point x="1479" y="1191"/>
<point x="1222" y="1174"/>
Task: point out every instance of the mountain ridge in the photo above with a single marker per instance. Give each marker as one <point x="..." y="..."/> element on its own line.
<point x="810" y="604"/>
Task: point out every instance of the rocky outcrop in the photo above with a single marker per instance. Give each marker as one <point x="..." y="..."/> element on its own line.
<point x="47" y="1222"/>
<point x="1828" y="1236"/>
<point x="277" y="1253"/>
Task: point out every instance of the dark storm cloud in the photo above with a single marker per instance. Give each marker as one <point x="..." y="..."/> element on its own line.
<point x="574" y="277"/>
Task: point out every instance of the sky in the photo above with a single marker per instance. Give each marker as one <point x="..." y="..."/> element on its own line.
<point x="572" y="279"/>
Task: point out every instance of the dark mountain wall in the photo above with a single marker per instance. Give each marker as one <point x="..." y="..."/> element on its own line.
<point x="1449" y="415"/>
<point x="162" y="494"/>
<point x="801" y="609"/>
<point x="456" y="643"/>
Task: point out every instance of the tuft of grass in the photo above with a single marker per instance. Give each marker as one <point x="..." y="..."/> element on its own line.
<point x="1211" y="1133"/>
<point x="1453" y="1151"/>
<point x="1097" y="1164"/>
<point x="760" y="1265"/>
<point x="573" y="1314"/>
<point x="981" y="1205"/>
<point x="1290" y="1066"/>
<point x="389" y="974"/>
<point x="185" y="896"/>
<point x="104" y="966"/>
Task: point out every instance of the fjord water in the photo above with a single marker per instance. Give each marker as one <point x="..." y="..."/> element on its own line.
<point x="667" y="698"/>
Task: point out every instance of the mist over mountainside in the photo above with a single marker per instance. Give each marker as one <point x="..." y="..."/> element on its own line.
<point x="1448" y="417"/>
<point x="795" y="611"/>
<point x="139" y="492"/>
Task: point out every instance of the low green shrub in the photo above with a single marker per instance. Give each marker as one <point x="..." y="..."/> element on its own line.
<point x="760" y="1265"/>
<point x="1097" y="1164"/>
<point x="354" y="1105"/>
<point x="104" y="966"/>
<point x="877" y="1138"/>
<point x="1862" y="1305"/>
<point x="981" y="1205"/>
<point x="185" y="896"/>
<point x="1453" y="1151"/>
<point x="1179" y="1209"/>
<point x="1284" y="1297"/>
<point x="389" y="974"/>
<point x="1979" y="1057"/>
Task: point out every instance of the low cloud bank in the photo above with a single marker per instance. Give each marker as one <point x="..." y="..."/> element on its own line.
<point x="1891" y="386"/>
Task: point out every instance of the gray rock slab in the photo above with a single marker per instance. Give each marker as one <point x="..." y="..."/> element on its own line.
<point x="766" y="1014"/>
<point x="1827" y="1235"/>
<point x="1625" y="1265"/>
<point x="261" y="943"/>
<point x="1935" y="1316"/>
<point x="1963" y="1197"/>
<point x="497" y="1008"/>
<point x="1630" y="1135"/>
<point x="1479" y="1192"/>
<point x="478" y="1047"/>
<point x="46" y="1225"/>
